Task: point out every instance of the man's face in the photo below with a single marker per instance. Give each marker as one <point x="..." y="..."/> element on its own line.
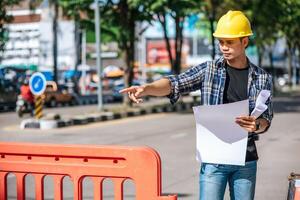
<point x="232" y="48"/>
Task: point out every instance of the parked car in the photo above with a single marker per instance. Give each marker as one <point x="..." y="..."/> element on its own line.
<point x="55" y="94"/>
<point x="8" y="96"/>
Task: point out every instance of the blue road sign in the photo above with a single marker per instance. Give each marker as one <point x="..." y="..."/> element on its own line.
<point x="37" y="83"/>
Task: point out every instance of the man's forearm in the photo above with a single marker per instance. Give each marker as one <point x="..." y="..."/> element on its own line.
<point x="159" y="88"/>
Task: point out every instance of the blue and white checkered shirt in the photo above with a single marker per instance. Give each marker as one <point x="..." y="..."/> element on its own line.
<point x="209" y="77"/>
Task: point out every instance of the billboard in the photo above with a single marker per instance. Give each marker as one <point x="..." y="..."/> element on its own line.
<point x="157" y="53"/>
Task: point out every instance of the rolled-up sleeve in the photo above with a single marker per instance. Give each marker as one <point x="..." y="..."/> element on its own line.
<point x="186" y="82"/>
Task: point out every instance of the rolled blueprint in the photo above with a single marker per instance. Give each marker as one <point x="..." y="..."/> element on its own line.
<point x="260" y="104"/>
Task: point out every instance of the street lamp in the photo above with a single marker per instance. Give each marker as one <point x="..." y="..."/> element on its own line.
<point x="95" y="6"/>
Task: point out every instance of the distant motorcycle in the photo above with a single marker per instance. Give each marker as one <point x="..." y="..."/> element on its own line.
<point x="23" y="106"/>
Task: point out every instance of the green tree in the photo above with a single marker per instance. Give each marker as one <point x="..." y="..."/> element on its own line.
<point x="264" y="34"/>
<point x="178" y="10"/>
<point x="55" y="6"/>
<point x="211" y="11"/>
<point x="70" y="9"/>
<point x="5" y="19"/>
<point x="122" y="17"/>
<point x="117" y="24"/>
<point x="290" y="23"/>
<point x="78" y="11"/>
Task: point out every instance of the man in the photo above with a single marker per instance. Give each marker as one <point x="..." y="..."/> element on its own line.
<point x="27" y="97"/>
<point x="228" y="79"/>
<point x="26" y="92"/>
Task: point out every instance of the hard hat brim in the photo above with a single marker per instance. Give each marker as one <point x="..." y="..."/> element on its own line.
<point x="231" y="36"/>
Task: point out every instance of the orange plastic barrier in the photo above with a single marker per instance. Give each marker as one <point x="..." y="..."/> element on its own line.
<point x="294" y="187"/>
<point x="140" y="164"/>
<point x="297" y="194"/>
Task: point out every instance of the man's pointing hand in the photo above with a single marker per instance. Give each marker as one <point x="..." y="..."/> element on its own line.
<point x="134" y="93"/>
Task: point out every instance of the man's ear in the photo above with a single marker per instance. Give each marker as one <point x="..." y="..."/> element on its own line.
<point x="245" y="42"/>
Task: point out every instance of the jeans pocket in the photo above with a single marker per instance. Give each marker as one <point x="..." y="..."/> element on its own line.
<point x="251" y="164"/>
<point x="207" y="168"/>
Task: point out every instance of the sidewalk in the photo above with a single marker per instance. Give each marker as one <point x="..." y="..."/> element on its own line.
<point x="110" y="112"/>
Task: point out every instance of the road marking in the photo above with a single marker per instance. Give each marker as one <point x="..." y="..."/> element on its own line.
<point x="179" y="135"/>
<point x="90" y="125"/>
<point x="11" y="128"/>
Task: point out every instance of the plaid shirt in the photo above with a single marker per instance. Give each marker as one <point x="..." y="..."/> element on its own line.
<point x="209" y="77"/>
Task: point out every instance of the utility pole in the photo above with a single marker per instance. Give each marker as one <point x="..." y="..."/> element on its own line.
<point x="54" y="28"/>
<point x="98" y="52"/>
<point x="83" y="61"/>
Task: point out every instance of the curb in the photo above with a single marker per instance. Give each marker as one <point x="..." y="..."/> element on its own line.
<point x="54" y="121"/>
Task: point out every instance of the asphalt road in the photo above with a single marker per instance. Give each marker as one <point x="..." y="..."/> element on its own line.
<point x="173" y="136"/>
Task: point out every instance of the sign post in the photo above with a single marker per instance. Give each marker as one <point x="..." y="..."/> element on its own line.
<point x="37" y="85"/>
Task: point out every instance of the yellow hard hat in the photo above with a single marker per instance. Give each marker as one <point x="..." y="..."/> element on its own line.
<point x="233" y="24"/>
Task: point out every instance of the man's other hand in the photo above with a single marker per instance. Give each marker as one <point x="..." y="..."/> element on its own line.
<point x="247" y="122"/>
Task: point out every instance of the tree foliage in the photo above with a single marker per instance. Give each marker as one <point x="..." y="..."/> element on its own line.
<point x="76" y="10"/>
<point x="178" y="10"/>
<point x="4" y="19"/>
<point x="119" y="18"/>
<point x="289" y="22"/>
<point x="213" y="10"/>
<point x="270" y="20"/>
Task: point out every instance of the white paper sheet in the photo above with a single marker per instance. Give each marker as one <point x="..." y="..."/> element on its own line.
<point x="260" y="104"/>
<point x="219" y="139"/>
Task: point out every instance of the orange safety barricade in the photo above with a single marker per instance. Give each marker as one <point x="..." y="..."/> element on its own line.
<point x="140" y="164"/>
<point x="294" y="187"/>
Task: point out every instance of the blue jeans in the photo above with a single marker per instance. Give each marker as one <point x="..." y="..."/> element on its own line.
<point x="241" y="180"/>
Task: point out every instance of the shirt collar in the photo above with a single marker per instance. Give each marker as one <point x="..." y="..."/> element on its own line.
<point x="221" y="62"/>
<point x="253" y="69"/>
